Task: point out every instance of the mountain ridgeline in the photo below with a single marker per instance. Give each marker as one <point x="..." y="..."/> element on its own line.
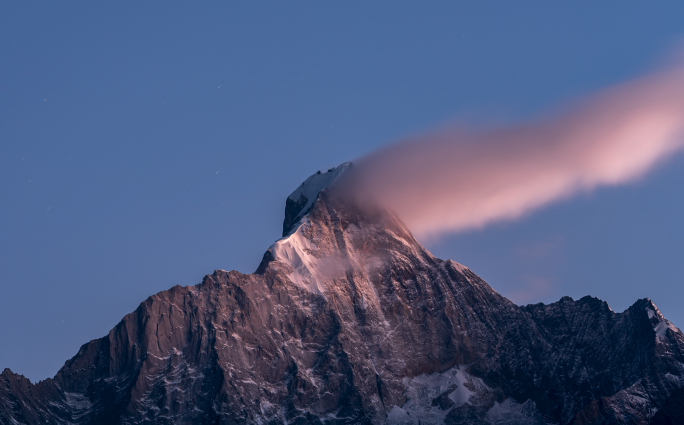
<point x="349" y="320"/>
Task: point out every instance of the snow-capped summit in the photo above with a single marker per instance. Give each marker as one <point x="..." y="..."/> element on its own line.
<point x="300" y="201"/>
<point x="317" y="182"/>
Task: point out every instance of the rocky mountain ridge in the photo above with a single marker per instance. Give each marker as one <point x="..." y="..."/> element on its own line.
<point x="348" y="319"/>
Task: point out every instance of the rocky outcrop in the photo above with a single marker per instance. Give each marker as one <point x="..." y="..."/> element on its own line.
<point x="350" y="320"/>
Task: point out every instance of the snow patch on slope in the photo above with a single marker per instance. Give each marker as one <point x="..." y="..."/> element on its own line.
<point x="509" y="412"/>
<point x="663" y="324"/>
<point x="453" y="387"/>
<point x="398" y="416"/>
<point x="662" y="327"/>
<point x="78" y="403"/>
<point x="311" y="267"/>
<point x="430" y="399"/>
<point x="296" y="251"/>
<point x="458" y="266"/>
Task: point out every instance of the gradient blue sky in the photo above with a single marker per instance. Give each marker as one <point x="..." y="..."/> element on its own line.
<point x="146" y="145"/>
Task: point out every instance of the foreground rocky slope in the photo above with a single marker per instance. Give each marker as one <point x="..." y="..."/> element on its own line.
<point x="348" y="320"/>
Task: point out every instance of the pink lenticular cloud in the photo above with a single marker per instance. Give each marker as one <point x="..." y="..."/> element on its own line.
<point x="460" y="180"/>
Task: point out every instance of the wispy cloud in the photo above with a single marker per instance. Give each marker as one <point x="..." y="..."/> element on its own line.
<point x="463" y="179"/>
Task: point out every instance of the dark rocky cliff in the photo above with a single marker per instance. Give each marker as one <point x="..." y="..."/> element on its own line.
<point x="350" y="320"/>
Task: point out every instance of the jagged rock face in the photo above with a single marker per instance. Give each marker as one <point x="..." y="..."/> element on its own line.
<point x="350" y="320"/>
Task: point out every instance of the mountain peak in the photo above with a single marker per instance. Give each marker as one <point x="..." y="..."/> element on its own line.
<point x="349" y="320"/>
<point x="300" y="201"/>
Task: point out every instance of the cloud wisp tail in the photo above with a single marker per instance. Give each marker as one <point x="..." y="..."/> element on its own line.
<point x="466" y="179"/>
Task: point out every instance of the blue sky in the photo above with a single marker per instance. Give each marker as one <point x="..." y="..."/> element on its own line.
<point x="144" y="146"/>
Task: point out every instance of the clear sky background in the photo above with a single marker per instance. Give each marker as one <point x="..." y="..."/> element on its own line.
<point x="146" y="145"/>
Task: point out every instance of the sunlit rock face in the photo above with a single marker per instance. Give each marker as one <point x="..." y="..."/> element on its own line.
<point x="349" y="320"/>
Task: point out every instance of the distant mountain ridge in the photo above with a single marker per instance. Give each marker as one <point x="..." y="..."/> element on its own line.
<point x="349" y="320"/>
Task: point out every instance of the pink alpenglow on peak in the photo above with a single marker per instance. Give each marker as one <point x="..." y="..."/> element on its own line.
<point x="464" y="179"/>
